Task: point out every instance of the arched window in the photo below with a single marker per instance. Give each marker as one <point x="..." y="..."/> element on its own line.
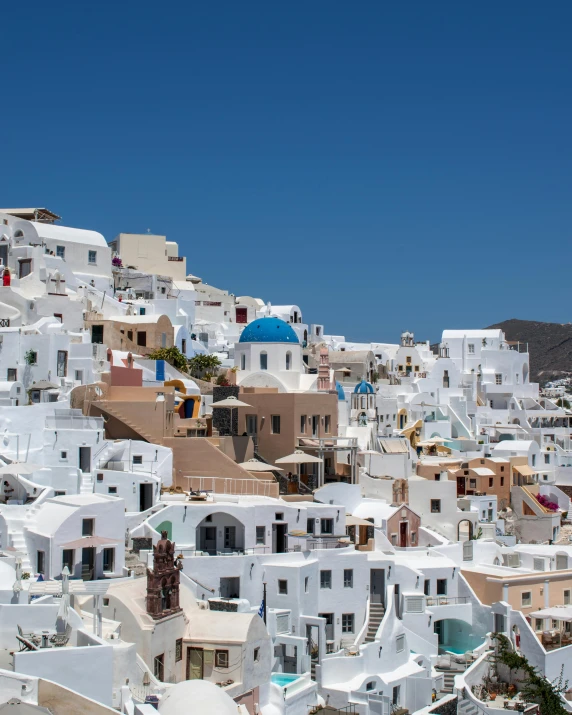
<point x="243" y="362"/>
<point x="263" y="361"/>
<point x="19" y="233"/>
<point x="288" y="360"/>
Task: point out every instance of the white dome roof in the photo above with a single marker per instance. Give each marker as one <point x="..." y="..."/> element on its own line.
<point x="199" y="697"/>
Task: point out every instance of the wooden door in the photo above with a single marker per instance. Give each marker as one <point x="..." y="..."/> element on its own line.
<point x="194" y="663"/>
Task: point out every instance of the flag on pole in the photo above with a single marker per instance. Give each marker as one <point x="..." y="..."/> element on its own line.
<point x="261" y="609"/>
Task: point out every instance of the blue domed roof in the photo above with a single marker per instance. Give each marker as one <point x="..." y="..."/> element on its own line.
<point x="340" y="390"/>
<point x="268" y="330"/>
<point x="364" y="388"/>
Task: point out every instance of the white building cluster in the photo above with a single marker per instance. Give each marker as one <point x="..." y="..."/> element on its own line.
<point x="319" y="526"/>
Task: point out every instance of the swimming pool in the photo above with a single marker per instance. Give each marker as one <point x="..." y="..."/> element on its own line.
<point x="283" y="679"/>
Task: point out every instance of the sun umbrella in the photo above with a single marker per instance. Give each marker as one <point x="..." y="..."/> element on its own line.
<point x="253" y="465"/>
<point x="230" y="403"/>
<point x="19" y="468"/>
<point x="17" y="587"/>
<point x="63" y="611"/>
<point x="298" y="457"/>
<point x="437" y="440"/>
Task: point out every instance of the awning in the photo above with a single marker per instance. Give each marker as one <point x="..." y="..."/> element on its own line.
<point x="394" y="446"/>
<point x="410" y="427"/>
<point x="525" y="470"/>
<point x="554" y="613"/>
<point x="356" y="521"/>
<point x="87" y="542"/>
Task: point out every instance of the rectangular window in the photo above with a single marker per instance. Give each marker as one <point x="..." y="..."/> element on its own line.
<point x="526" y="598"/>
<point x="279" y="516"/>
<point x="348" y="622"/>
<point x="87" y="527"/>
<point x="112" y="490"/>
<point x="310" y="526"/>
<point x="427" y="587"/>
<point x="178" y="650"/>
<point x="41" y="562"/>
<point x="137" y="459"/>
<point x="546" y="459"/>
<point x="491" y="481"/>
<point x="221" y="658"/>
<point x="275" y="424"/>
<point x="256" y="656"/>
<point x="68" y="559"/>
<point x="566" y="597"/>
<point x="306" y="584"/>
<point x="63" y="454"/>
<point x="441" y="586"/>
<point x="413" y="538"/>
<point x="303" y="424"/>
<point x="539" y="624"/>
<point x="502" y="481"/>
<point x="159" y="667"/>
<point x="325" y="579"/>
<point x="327" y="424"/>
<point x="109" y="560"/>
<point x="400" y="643"/>
<point x="12" y="374"/>
<point x="471" y="347"/>
<point x="348" y="578"/>
<point x="435" y="506"/>
<point x="61" y="251"/>
<point x="142" y="338"/>
<point x="282" y="587"/>
<point x="534" y="460"/>
<point x="260" y="535"/>
<point x="498" y="378"/>
<point x="263" y="361"/>
<point x="62" y="363"/>
<point x="327" y="526"/>
<point x="92" y="257"/>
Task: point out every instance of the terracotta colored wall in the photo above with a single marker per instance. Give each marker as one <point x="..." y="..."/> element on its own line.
<point x="290" y="407"/>
<point x="413" y="522"/>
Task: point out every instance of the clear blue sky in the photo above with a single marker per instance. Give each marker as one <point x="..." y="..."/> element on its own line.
<point x="387" y="166"/>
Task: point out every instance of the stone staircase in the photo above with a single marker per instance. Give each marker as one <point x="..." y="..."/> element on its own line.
<point x="113" y="411"/>
<point x="376" y="613"/>
<point x="449" y="680"/>
<point x="134" y="565"/>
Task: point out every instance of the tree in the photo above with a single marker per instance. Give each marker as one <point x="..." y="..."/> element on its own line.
<point x="171" y="355"/>
<point x="536" y="688"/>
<point x="199" y="364"/>
<point x="563" y="403"/>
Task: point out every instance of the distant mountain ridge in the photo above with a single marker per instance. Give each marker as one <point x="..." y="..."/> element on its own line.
<point x="549" y="345"/>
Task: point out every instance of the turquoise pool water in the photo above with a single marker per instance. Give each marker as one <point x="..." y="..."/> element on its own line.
<point x="283" y="679"/>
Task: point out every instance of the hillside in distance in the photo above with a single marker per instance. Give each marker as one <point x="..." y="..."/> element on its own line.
<point x="549" y="345"/>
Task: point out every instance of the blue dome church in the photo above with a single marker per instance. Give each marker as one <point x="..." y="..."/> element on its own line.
<point x="269" y="354"/>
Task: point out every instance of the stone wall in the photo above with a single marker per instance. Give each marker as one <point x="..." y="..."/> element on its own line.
<point x="221" y="416"/>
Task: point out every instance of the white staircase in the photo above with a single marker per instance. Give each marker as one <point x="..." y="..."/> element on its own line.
<point x="87" y="484"/>
<point x="376" y="613"/>
<point x="16" y="539"/>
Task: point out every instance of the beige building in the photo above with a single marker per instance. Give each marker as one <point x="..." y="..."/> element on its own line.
<point x="151" y="254"/>
<point x="526" y="592"/>
<point x="277" y="421"/>
<point x="139" y="334"/>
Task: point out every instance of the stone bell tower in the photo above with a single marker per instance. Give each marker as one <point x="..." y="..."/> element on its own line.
<point x="163" y="580"/>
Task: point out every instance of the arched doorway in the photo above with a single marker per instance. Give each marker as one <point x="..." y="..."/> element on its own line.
<point x="220" y="533"/>
<point x="464" y="530"/>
